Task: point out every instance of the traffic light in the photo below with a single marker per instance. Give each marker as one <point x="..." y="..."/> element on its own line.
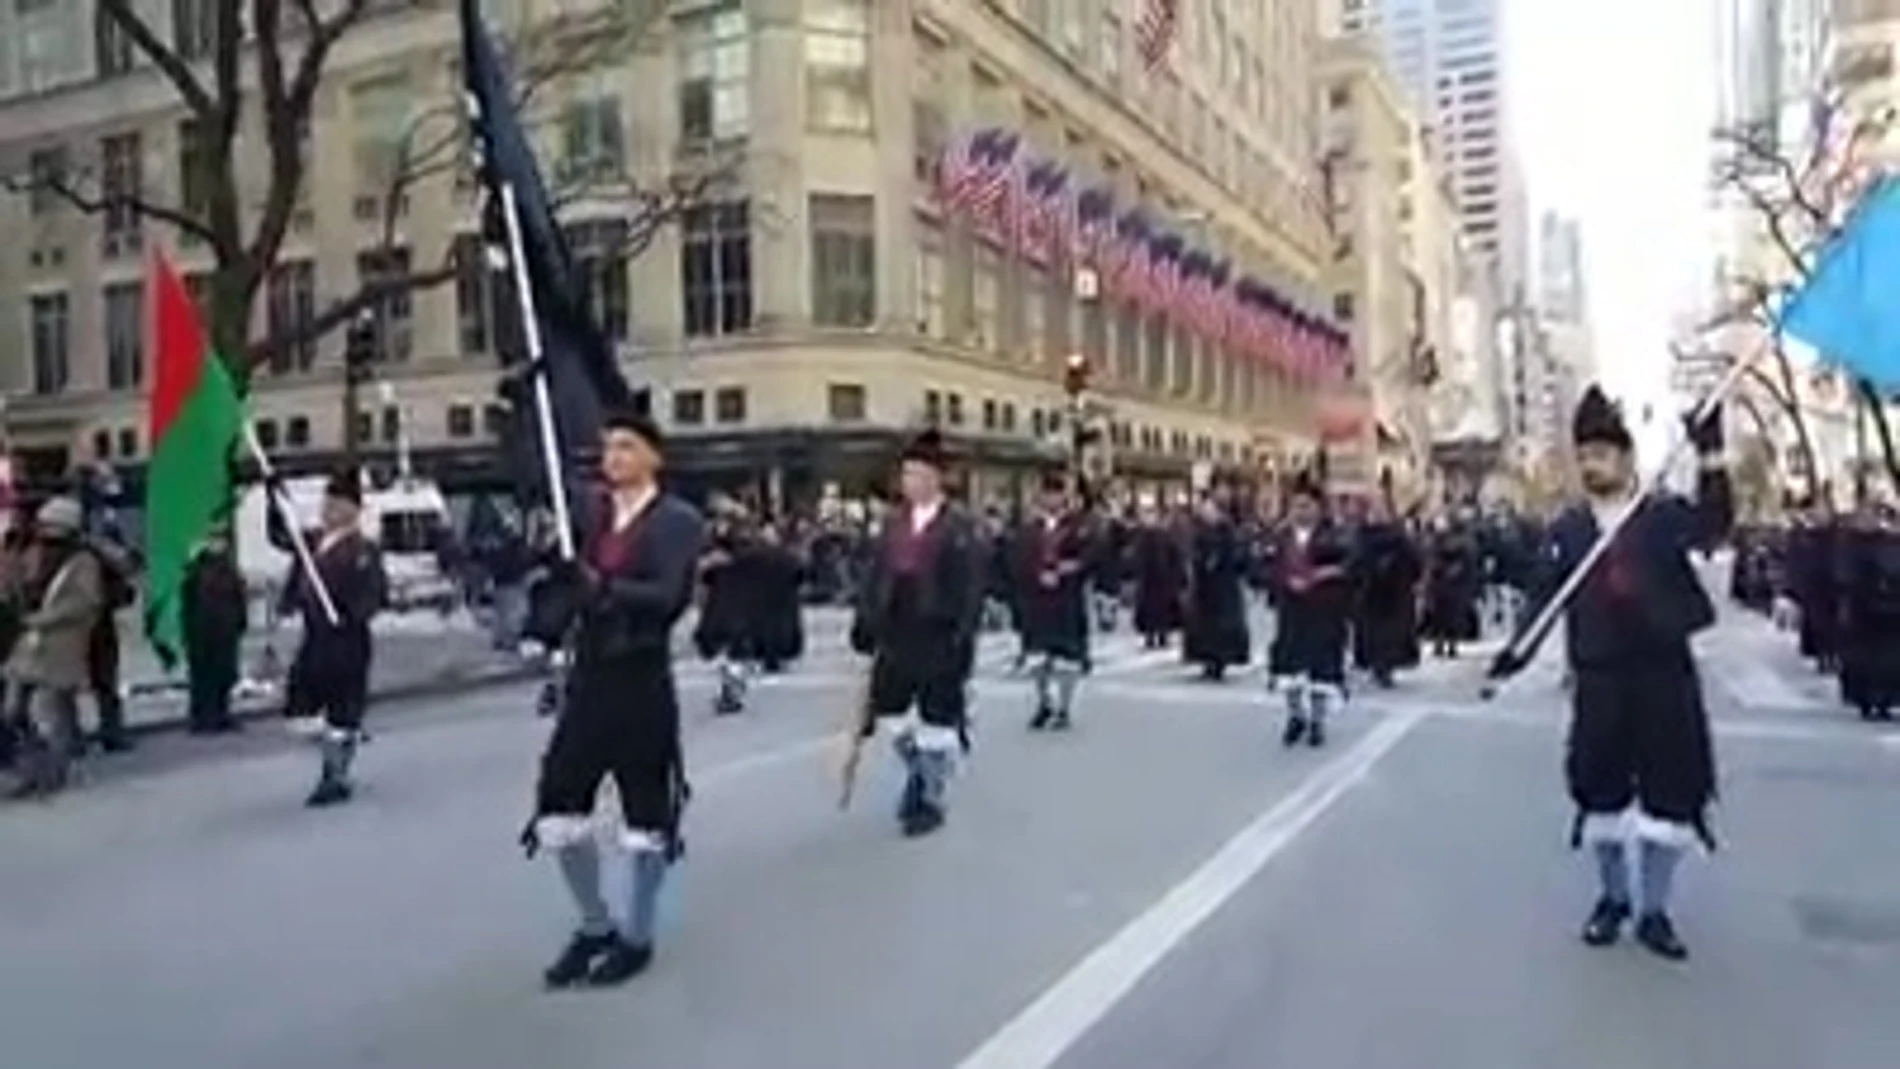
<point x="1075" y="374"/>
<point x="359" y="349"/>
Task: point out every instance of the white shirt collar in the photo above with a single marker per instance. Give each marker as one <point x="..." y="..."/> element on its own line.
<point x="626" y="510"/>
<point x="331" y="538"/>
<point x="922" y="515"/>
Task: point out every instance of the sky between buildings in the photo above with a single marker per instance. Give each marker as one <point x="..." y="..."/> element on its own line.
<point x="1611" y="105"/>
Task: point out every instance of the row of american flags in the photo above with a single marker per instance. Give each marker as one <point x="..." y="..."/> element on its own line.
<point x="1053" y="217"/>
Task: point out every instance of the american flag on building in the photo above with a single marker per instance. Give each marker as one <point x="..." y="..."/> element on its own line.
<point x="1164" y="272"/>
<point x="1220" y="299"/>
<point x="975" y="179"/>
<point x="1042" y="209"/>
<point x="1094" y="228"/>
<point x="1157" y="24"/>
<point x="1131" y="257"/>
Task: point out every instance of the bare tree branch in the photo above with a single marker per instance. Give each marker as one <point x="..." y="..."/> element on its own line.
<point x="71" y="186"/>
<point x="176" y="69"/>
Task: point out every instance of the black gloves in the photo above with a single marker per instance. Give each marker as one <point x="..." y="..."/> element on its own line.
<point x="1506" y="664"/>
<point x="1706" y="435"/>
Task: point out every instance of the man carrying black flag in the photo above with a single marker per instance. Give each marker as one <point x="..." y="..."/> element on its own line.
<point x="1639" y="761"/>
<point x="616" y="598"/>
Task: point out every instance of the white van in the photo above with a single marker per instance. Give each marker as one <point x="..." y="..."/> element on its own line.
<point x="408" y="520"/>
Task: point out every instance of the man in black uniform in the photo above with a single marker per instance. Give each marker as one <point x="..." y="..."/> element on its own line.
<point x="1050" y="572"/>
<point x="620" y="716"/>
<point x="328" y="688"/>
<point x="1312" y="597"/>
<point x="917" y="618"/>
<point x="1639" y="762"/>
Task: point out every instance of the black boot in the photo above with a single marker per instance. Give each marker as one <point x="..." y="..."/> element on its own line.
<point x="1294" y="731"/>
<point x="622" y="962"/>
<point x="922" y="819"/>
<point x="1044" y="714"/>
<point x="1316" y="733"/>
<point x="577" y="959"/>
<point x="1605" y="923"/>
<point x="329" y="791"/>
<point x="1059" y="722"/>
<point x="1658" y="936"/>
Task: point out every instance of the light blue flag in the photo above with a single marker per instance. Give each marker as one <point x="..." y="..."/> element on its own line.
<point x="1849" y="307"/>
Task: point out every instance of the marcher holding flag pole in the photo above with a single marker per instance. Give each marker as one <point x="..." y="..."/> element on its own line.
<point x="1639" y="760"/>
<point x="629" y="563"/>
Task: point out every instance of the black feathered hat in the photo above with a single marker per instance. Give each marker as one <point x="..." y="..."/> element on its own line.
<point x="927" y="448"/>
<point x="638" y="424"/>
<point x="1307" y="484"/>
<point x="1599" y="420"/>
<point x="346" y="484"/>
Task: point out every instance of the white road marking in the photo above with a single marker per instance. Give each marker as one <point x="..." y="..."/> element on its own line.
<point x="1039" y="1036"/>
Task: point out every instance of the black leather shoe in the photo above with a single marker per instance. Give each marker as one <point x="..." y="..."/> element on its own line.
<point x="576" y="962"/>
<point x="1658" y="936"/>
<point x="328" y="793"/>
<point x="1294" y="731"/>
<point x="1605" y="924"/>
<point x="622" y="962"/>
<point x="1044" y="714"/>
<point x="1316" y="734"/>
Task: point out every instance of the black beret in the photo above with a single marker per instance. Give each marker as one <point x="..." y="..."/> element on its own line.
<point x="638" y="424"/>
<point x="1598" y="420"/>
<point x="346" y="484"/>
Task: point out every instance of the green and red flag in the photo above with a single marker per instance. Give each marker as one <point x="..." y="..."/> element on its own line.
<point x="195" y="419"/>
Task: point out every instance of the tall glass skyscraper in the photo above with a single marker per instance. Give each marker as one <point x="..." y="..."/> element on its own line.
<point x="1449" y="55"/>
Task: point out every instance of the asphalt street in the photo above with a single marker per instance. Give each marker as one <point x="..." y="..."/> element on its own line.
<point x="1163" y="888"/>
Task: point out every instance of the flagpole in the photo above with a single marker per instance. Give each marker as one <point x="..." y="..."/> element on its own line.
<point x="543" y="399"/>
<point x="300" y="547"/>
<point x="1528" y="639"/>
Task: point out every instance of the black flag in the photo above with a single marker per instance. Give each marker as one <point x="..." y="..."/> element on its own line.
<point x="577" y="358"/>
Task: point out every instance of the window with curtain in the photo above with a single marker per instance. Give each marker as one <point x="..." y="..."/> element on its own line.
<point x="380" y="111"/>
<point x="51" y="320"/>
<point x="599" y="248"/>
<point x="986" y="297"/>
<point x="932" y="315"/>
<point x="715" y="75"/>
<point x="121" y="166"/>
<point x="838" y="65"/>
<point x="395" y="315"/>
<point x="593" y="137"/>
<point x="843" y="259"/>
<point x="716" y="269"/>
<point x="290" y="304"/>
<point x="125" y="335"/>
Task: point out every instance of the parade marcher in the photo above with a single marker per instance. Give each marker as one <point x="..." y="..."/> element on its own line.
<point x="1158" y="569"/>
<point x="327" y="693"/>
<point x="1813" y="580"/>
<point x="1108" y="571"/>
<point x="116" y="572"/>
<point x="726" y="612"/>
<point x="1216" y="636"/>
<point x="1454" y="584"/>
<point x="917" y="619"/>
<point x="776" y="575"/>
<point x="47" y="668"/>
<point x="1870" y="614"/>
<point x="1312" y="596"/>
<point x="620" y="712"/>
<point x="1640" y="764"/>
<point x="215" y="608"/>
<point x="1051" y="558"/>
<point x="1386" y="573"/>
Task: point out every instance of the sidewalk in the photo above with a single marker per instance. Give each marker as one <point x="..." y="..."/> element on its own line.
<point x="417" y="655"/>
